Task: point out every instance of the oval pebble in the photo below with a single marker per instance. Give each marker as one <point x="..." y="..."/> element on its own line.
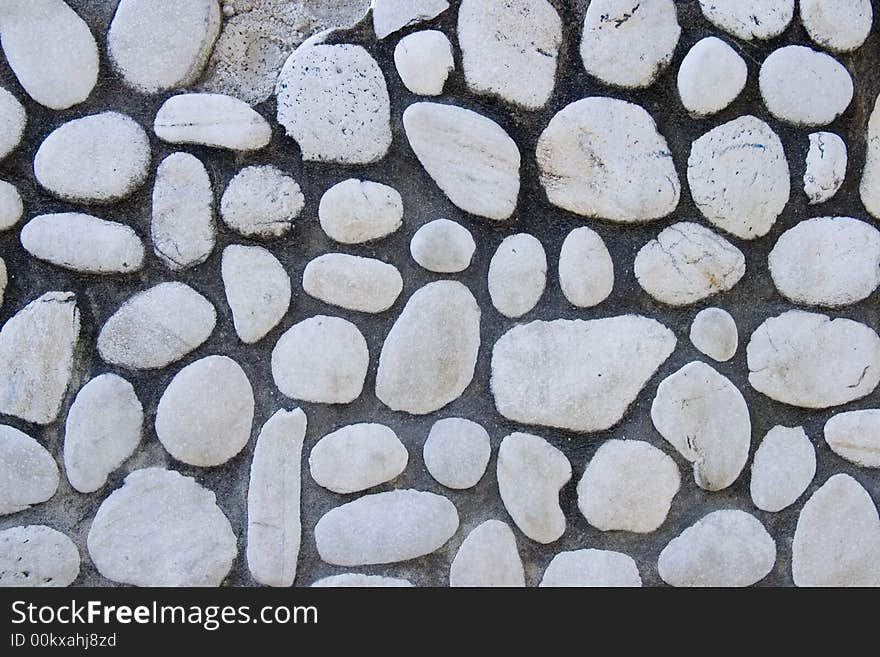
<point x="182" y="222"/>
<point x="443" y="246"/>
<point x="710" y="77"/>
<point x="869" y="186"/>
<point x="591" y="568"/>
<point x="628" y="485"/>
<point x="739" y="177"/>
<point x="100" y="158"/>
<point x="723" y="549"/>
<point x="211" y="120"/>
<point x="357" y="580"/>
<point x="840" y="25"/>
<point x="714" y="333"/>
<point x="37" y="556"/>
<point x="627" y="44"/>
<point x="205" y="414"/>
<point x="825" y="167"/>
<point x="257" y="290"/>
<point x="11" y="207"/>
<point x="792" y="74"/>
<point x="488" y="557"/>
<point x="811" y="361"/>
<point x="457" y="452"/>
<point x="162" y="44"/>
<point x="424" y="62"/>
<point x="586" y="271"/>
<point x="83" y="243"/>
<point x="13" y="119"/>
<point x="51" y="51"/>
<point x="103" y="428"/>
<point x="162" y="529"/>
<point x="531" y="472"/>
<point x="385" y="528"/>
<point x="28" y="474"/>
<point x="687" y="263"/>
<point x="356" y="211"/>
<point x="352" y="282"/>
<point x="357" y="457"/>
<point x="749" y="19"/>
<point x="703" y="415"/>
<point x="783" y="467"/>
<point x="827" y="261"/>
<point x="517" y="275"/>
<point x="261" y="201"/>
<point x="156" y="327"/>
<point x="321" y="359"/>
<point x="855" y="436"/>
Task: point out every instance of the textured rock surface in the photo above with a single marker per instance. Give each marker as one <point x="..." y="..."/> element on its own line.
<point x="352" y="282"/>
<point x="841" y="25"/>
<point x="855" y="436"/>
<point x="749" y="19"/>
<point x="783" y="467"/>
<point x="457" y="452"/>
<point x="604" y="158"/>
<point x="357" y="457"/>
<point x="385" y="528"/>
<point x="37" y="555"/>
<point x="714" y="333"/>
<point x="591" y="568"/>
<point x="825" y="168"/>
<point x="710" y="77"/>
<point x="392" y="15"/>
<point x="211" y="120"/>
<point x="162" y="529"/>
<point x="355" y="211"/>
<point x="28" y="474"/>
<point x="257" y="290"/>
<point x="575" y="374"/>
<point x="11" y="207"/>
<point x="261" y="201"/>
<point x="488" y="558"/>
<point x="517" y="275"/>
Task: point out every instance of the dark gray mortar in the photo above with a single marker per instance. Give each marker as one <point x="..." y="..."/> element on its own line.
<point x="750" y="302"/>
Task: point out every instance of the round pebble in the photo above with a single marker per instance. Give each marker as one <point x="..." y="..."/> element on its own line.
<point x="710" y="77"/>
<point x="714" y="333"/>
<point x="839" y="25"/>
<point x="261" y="201"/>
<point x="457" y="452"/>
<point x="424" y="61"/>
<point x="443" y="246"/>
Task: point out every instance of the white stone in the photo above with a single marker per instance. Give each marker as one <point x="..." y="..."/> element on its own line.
<point x="182" y="222"/>
<point x="710" y="77"/>
<point x="579" y="375"/>
<point x="162" y="529"/>
<point x="321" y="359"/>
<point x="11" y="207"/>
<point x="703" y="415"/>
<point x="28" y="474"/>
<point x="714" y="333"/>
<point x="531" y="472"/>
<point x="604" y="158"/>
<point x="274" y="529"/>
<point x="162" y="44"/>
<point x="333" y="100"/>
<point x="443" y="246"/>
<point x="13" y="119"/>
<point x="352" y="282"/>
<point x="156" y="327"/>
<point x="37" y="347"/>
<point x="257" y="290"/>
<point x="517" y="275"/>
<point x="470" y="157"/>
<point x="840" y="25"/>
<point x="488" y="558"/>
<point x="509" y="49"/>
<point x="205" y="415"/>
<point x="739" y="177"/>
<point x="837" y="539"/>
<point x="51" y="51"/>
<point x="103" y="428"/>
<point x="356" y="211"/>
<point x="855" y="436"/>
<point x="357" y="457"/>
<point x="804" y="87"/>
<point x="357" y="580"/>
<point x="809" y="360"/>
<point x="261" y="201"/>
<point x="83" y="243"/>
<point x="749" y="19"/>
<point x="211" y="120"/>
<point x="100" y="158"/>
<point x="392" y="15"/>
<point x="37" y="556"/>
<point x="430" y="353"/>
<point x="687" y="263"/>
<point x="869" y="188"/>
<point x="586" y="271"/>
<point x="723" y="549"/>
<point x="591" y="568"/>
<point x="628" y="485"/>
<point x="825" y="167"/>
<point x="783" y="467"/>
<point x="827" y="261"/>
<point x="457" y="452"/>
<point x="627" y="44"/>
<point x="385" y="528"/>
<point x="424" y="62"/>
<point x="4" y="279"/>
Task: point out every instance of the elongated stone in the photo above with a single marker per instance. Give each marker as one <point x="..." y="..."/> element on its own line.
<point x="211" y="120"/>
<point x="352" y="282"/>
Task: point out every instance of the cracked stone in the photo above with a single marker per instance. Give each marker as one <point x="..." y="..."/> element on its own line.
<point x="783" y="468"/>
<point x="825" y="166"/>
<point x="357" y="457"/>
